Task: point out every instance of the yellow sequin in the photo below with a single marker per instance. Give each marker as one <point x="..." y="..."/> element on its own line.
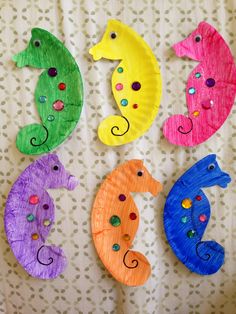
<point x="196" y="113"/>
<point x="186" y="203"/>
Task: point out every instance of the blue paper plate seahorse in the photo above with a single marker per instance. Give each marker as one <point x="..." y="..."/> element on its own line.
<point x="186" y="215"/>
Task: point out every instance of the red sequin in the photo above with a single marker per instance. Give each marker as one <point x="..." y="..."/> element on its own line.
<point x="198" y="198"/>
<point x="202" y="217"/>
<point x="135" y="106"/>
<point x="132" y="216"/>
<point x="62" y="86"/>
<point x="33" y="199"/>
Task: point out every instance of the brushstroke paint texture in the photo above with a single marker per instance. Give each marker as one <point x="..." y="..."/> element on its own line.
<point x="210" y="90"/>
<point x="202" y="257"/>
<point x="38" y="259"/>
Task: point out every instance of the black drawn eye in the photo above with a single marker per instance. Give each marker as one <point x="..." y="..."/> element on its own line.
<point x="198" y="38"/>
<point x="55" y="167"/>
<point x="113" y="35"/>
<point x="37" y="43"/>
<point x="211" y="167"/>
<point x="140" y="173"/>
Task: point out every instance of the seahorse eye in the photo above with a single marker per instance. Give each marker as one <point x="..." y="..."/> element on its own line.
<point x="140" y="173"/>
<point x="113" y="35"/>
<point x="55" y="167"/>
<point x="37" y="43"/>
<point x="211" y="167"/>
<point x="198" y="38"/>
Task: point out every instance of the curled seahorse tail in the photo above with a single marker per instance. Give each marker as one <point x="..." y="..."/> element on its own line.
<point x="114" y="130"/>
<point x="209" y="257"/>
<point x="32" y="139"/>
<point x="137" y="268"/>
<point x="179" y="130"/>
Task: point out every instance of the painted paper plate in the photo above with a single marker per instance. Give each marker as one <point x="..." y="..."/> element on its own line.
<point x="136" y="84"/>
<point x="210" y="90"/>
<point x="115" y="221"/>
<point x="58" y="95"/>
<point x="186" y="215"/>
<point x="29" y="216"/>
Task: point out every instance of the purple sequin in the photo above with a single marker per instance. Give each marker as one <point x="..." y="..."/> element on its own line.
<point x="210" y="82"/>
<point x="52" y="72"/>
<point x="122" y="197"/>
<point x="136" y="86"/>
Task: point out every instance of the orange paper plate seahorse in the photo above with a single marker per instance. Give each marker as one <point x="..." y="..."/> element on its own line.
<point x="115" y="221"/>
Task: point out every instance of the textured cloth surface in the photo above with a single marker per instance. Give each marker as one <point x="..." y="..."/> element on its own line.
<point x="85" y="286"/>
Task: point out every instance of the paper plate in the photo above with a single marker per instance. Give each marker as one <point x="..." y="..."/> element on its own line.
<point x="29" y="216"/>
<point x="186" y="215"/>
<point x="115" y="221"/>
<point x="58" y="95"/>
<point x="210" y="90"/>
<point x="136" y="84"/>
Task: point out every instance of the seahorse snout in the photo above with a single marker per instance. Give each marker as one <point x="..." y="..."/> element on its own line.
<point x="95" y="51"/>
<point x="155" y="187"/>
<point x="179" y="49"/>
<point x="72" y="183"/>
<point x="20" y="59"/>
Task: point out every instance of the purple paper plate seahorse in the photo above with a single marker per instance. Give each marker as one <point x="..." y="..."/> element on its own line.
<point x="29" y="215"/>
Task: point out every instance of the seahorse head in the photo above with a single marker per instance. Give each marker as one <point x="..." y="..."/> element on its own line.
<point x="199" y="43"/>
<point x="206" y="173"/>
<point x="53" y="173"/>
<point x="114" y="42"/>
<point x="42" y="51"/>
<point x="134" y="175"/>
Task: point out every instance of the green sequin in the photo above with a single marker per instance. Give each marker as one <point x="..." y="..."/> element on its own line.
<point x="115" y="247"/>
<point x="120" y="70"/>
<point x="30" y="217"/>
<point x="115" y="221"/>
<point x="191" y="233"/>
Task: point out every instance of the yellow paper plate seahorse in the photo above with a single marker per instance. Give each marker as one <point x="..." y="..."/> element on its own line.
<point x="136" y="84"/>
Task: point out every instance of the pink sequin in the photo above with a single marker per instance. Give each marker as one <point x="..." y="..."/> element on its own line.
<point x="119" y="86"/>
<point x="58" y="105"/>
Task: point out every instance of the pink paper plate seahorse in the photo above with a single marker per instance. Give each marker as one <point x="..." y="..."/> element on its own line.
<point x="210" y="91"/>
<point x="29" y="215"/>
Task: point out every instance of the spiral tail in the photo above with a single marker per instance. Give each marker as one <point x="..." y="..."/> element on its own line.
<point x="210" y="257"/>
<point x="135" y="269"/>
<point x="114" y="131"/>
<point x="48" y="263"/>
<point x="179" y="130"/>
<point x="33" y="139"/>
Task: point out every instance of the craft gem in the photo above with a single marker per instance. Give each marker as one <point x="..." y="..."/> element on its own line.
<point x="33" y="199"/>
<point x="35" y="236"/>
<point x="51" y="118"/>
<point x="124" y="102"/>
<point x="58" y="105"/>
<point x="30" y="217"/>
<point x="196" y="113"/>
<point x="62" y="86"/>
<point x="208" y="104"/>
<point x="126" y="237"/>
<point x="140" y="173"/>
<point x="136" y="86"/>
<point x="135" y="106"/>
<point x="119" y="86"/>
<point x="197" y="75"/>
<point x="52" y="72"/>
<point x="198" y="198"/>
<point x="46" y="222"/>
<point x="115" y="221"/>
<point x="210" y="82"/>
<point x="120" y="70"/>
<point x="122" y="197"/>
<point x="186" y="203"/>
<point x="184" y="219"/>
<point x="45" y="206"/>
<point x="115" y="247"/>
<point x="191" y="90"/>
<point x="202" y="217"/>
<point x="132" y="216"/>
<point x="191" y="233"/>
<point x="42" y="99"/>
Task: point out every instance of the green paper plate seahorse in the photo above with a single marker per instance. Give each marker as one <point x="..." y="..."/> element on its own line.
<point x="58" y="95"/>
